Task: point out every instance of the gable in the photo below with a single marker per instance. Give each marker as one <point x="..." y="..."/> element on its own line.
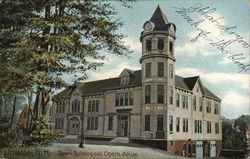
<point x="126" y="72"/>
<point x="198" y="87"/>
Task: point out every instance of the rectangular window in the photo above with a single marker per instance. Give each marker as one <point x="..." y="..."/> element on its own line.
<point x="160" y="91"/>
<point x="63" y="108"/>
<point x="170" y="123"/>
<point x="208" y="107"/>
<point x="159" y="122"/>
<point x="121" y="99"/>
<point x="92" y="123"/>
<point x="56" y="124"/>
<point x="117" y="99"/>
<point x="177" y="99"/>
<point x="216" y="109"/>
<point x="88" y="123"/>
<point x="93" y="106"/>
<point x="62" y="123"/>
<point x="209" y="127"/>
<point x="171" y="69"/>
<point x="131" y="98"/>
<point x="110" y="125"/>
<point x="160" y="69"/>
<point x="217" y="128"/>
<point x="198" y="126"/>
<point x="126" y="98"/>
<point x="96" y="123"/>
<point x="194" y="102"/>
<point x="177" y="124"/>
<point x="148" y="69"/>
<point x="185" y="101"/>
<point x="97" y="106"/>
<point x="73" y="106"/>
<point x="170" y="95"/>
<point x="147" y="93"/>
<point x="78" y="106"/>
<point x="92" y="126"/>
<point x="185" y="124"/>
<point x="147" y="122"/>
<point x="201" y="103"/>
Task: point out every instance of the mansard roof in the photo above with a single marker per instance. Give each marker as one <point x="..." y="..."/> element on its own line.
<point x="99" y="86"/>
<point x="159" y="19"/>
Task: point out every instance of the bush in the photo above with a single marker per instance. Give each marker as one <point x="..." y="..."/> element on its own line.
<point x="8" y="136"/>
<point x="41" y="134"/>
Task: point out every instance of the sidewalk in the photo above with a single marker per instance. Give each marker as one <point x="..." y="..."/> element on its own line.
<point x="110" y="152"/>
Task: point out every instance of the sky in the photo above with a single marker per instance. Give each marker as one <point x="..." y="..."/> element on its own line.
<point x="218" y="67"/>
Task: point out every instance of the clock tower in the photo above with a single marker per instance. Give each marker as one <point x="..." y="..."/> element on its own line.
<point x="158" y="71"/>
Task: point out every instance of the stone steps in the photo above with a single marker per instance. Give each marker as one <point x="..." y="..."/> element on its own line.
<point x="120" y="140"/>
<point x="71" y="137"/>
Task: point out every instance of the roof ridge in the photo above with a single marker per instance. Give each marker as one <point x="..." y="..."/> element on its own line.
<point x="101" y="80"/>
<point x="191" y="77"/>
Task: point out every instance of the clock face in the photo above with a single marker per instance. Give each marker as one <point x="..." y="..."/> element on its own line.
<point x="148" y="26"/>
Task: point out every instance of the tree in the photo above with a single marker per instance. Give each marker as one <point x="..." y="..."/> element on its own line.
<point x="52" y="38"/>
<point x="242" y="123"/>
<point x="234" y="137"/>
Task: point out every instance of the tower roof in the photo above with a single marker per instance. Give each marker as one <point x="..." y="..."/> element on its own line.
<point x="158" y="18"/>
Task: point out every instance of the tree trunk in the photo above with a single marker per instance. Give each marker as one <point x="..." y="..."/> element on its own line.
<point x="1" y="105"/>
<point x="13" y="112"/>
<point x="44" y="101"/>
<point x="36" y="105"/>
<point x="6" y="109"/>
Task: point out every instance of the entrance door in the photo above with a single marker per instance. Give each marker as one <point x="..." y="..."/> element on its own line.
<point x="74" y="126"/>
<point x="212" y="148"/>
<point x="199" y="149"/>
<point x="123" y="126"/>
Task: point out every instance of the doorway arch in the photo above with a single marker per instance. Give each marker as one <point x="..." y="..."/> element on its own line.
<point x="74" y="126"/>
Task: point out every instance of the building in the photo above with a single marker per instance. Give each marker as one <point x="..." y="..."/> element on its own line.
<point x="151" y="105"/>
<point x="25" y="117"/>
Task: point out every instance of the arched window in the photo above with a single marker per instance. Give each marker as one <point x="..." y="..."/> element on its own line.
<point x="148" y="45"/>
<point x="171" y="47"/>
<point x="160" y="44"/>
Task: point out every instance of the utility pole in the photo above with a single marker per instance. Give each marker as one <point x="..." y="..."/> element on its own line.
<point x="81" y="145"/>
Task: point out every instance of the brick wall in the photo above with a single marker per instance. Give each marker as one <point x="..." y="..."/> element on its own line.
<point x="177" y="147"/>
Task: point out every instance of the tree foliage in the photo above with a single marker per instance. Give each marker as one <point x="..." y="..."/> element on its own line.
<point x="41" y="41"/>
<point x="58" y="38"/>
<point x="42" y="135"/>
<point x="233" y="136"/>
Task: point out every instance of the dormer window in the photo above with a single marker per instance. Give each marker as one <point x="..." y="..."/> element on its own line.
<point x="160" y="44"/>
<point x="149" y="45"/>
<point x="125" y="80"/>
